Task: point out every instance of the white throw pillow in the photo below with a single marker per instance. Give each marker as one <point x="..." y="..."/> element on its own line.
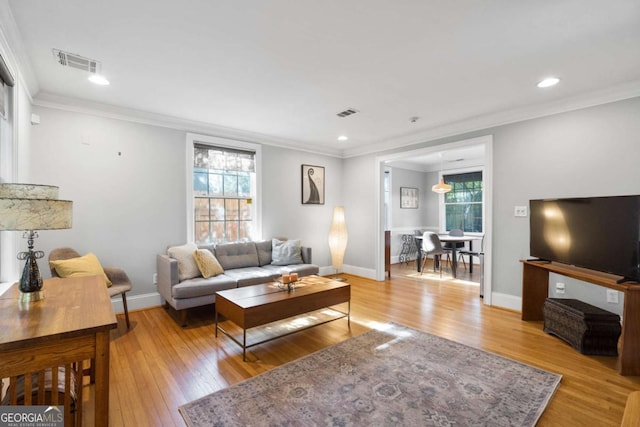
<point x="285" y="252"/>
<point x="187" y="267"/>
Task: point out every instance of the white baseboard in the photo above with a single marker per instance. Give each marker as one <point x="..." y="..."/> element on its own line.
<point x="506" y="301"/>
<point x="137" y="302"/>
<point x="349" y="269"/>
<point x="359" y="271"/>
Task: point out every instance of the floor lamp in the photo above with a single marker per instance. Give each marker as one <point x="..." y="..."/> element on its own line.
<point x="28" y="207"/>
<point x="338" y="238"/>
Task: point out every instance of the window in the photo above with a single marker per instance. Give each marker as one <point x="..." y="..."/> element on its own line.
<point x="223" y="188"/>
<point x="463" y="205"/>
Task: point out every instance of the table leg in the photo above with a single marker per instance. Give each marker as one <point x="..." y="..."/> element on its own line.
<point x="244" y="345"/>
<point x="454" y="261"/>
<point x="216" y="323"/>
<point x="102" y="379"/>
<point x="419" y="259"/>
<point x="470" y="257"/>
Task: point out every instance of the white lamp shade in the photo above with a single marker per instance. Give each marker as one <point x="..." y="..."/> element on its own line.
<point x="33" y="207"/>
<point x="338" y="238"/>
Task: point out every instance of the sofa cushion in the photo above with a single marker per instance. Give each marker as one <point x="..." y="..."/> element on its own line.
<point x="285" y="252"/>
<point x="237" y="255"/>
<point x="301" y="269"/>
<point x="207" y="263"/>
<point x="251" y="275"/>
<point x="187" y="267"/>
<point x="192" y="288"/>
<point x="264" y="252"/>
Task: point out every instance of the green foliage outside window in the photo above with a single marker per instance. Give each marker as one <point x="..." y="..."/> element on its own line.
<point x="463" y="204"/>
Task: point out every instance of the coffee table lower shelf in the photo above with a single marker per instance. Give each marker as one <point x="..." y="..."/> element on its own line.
<point x="250" y="337"/>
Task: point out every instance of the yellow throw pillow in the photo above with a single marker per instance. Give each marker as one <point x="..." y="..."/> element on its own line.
<point x="207" y="263"/>
<point x="87" y="265"/>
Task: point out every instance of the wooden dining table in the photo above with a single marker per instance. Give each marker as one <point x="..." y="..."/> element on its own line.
<point x="446" y="238"/>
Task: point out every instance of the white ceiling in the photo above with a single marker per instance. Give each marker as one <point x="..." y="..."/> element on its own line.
<point x="282" y="69"/>
<point x="451" y="158"/>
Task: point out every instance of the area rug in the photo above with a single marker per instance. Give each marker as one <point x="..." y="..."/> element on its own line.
<point x="392" y="376"/>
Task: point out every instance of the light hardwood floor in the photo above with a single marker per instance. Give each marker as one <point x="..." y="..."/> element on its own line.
<point x="157" y="365"/>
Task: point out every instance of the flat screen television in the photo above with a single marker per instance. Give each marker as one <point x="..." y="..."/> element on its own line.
<point x="598" y="233"/>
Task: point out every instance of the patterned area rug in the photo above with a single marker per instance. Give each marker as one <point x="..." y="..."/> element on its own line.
<point x="392" y="377"/>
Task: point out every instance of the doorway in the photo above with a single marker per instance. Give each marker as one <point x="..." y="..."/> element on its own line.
<point x="382" y="162"/>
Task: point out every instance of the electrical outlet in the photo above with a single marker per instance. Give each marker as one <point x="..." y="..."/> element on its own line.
<point x="560" y="288"/>
<point x="612" y="296"/>
<point x="520" y="211"/>
<point x="155" y="278"/>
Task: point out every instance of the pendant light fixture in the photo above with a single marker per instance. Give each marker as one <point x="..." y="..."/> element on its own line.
<point x="441" y="187"/>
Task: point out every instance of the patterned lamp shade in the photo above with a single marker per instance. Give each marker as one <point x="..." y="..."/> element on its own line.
<point x="29" y="208"/>
<point x="33" y="207"/>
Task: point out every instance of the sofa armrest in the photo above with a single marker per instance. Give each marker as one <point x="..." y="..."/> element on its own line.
<point x="167" y="269"/>
<point x="306" y="255"/>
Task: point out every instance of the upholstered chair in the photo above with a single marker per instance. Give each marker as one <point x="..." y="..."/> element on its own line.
<point x="119" y="279"/>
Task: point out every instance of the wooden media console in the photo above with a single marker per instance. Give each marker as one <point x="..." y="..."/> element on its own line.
<point x="535" y="289"/>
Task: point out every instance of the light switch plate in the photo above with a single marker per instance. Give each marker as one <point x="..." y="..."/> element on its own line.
<point x="520" y="211"/>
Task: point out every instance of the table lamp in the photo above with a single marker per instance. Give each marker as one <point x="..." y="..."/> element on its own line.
<point x="30" y="207"/>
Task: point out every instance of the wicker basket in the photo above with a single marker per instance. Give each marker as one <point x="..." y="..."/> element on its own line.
<point x="588" y="329"/>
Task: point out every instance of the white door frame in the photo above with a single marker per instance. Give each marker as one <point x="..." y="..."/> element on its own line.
<point x="380" y="162"/>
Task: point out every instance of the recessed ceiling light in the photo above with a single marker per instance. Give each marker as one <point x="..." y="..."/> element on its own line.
<point x="343" y="138"/>
<point x="98" y="79"/>
<point x="549" y="81"/>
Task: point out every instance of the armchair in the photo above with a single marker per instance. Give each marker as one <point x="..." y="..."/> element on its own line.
<point x="119" y="279"/>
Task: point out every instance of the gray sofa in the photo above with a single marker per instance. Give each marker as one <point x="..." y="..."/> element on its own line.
<point x="244" y="264"/>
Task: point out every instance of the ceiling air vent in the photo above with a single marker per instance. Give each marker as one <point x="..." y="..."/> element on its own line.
<point x="347" y="112"/>
<point x="67" y="59"/>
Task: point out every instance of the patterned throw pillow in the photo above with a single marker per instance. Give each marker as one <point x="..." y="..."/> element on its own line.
<point x="207" y="263"/>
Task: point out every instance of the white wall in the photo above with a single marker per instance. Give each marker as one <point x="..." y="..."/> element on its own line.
<point x="128" y="185"/>
<point x="588" y="152"/>
<point x="406" y="221"/>
<point x="284" y="215"/>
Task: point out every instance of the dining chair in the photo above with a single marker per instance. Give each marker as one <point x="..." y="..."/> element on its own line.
<point x="431" y="245"/>
<point x="472" y="253"/>
<point x="456" y="232"/>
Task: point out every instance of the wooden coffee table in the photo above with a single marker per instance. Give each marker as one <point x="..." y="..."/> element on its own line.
<point x="259" y="305"/>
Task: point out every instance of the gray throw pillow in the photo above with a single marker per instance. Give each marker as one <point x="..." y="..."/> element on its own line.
<point x="285" y="252"/>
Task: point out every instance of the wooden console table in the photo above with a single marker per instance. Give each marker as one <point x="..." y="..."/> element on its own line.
<point x="535" y="289"/>
<point x="71" y="324"/>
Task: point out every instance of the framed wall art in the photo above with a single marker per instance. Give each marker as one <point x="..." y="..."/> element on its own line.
<point x="408" y="198"/>
<point x="312" y="185"/>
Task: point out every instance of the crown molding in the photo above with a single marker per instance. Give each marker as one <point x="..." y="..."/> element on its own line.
<point x="604" y="96"/>
<point x="58" y="102"/>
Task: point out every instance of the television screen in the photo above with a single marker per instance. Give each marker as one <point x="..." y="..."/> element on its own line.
<point x="598" y="233"/>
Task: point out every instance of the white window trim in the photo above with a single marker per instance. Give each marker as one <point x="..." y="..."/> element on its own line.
<point x="192" y="139"/>
<point x="441" y="210"/>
